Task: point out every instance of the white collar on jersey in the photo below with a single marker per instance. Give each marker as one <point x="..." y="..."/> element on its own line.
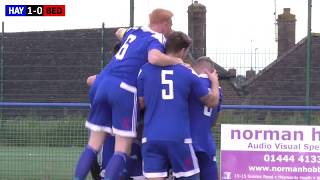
<point x="160" y="37"/>
<point x="147" y="29"/>
<point x="203" y="75"/>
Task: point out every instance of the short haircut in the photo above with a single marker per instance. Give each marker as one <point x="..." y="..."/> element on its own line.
<point x="159" y="16"/>
<point x="204" y="61"/>
<point x="176" y="41"/>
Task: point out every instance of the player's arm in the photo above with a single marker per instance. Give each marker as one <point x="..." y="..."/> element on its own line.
<point x="140" y="89"/>
<point x="218" y="108"/>
<point x="212" y="98"/>
<point x="141" y="103"/>
<point x="215" y="118"/>
<point x="156" y="54"/>
<point x="91" y="79"/>
<point x="95" y="168"/>
<point x="156" y="57"/>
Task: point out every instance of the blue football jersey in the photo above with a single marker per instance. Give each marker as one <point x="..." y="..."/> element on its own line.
<point x="202" y="118"/>
<point x="166" y="92"/>
<point x="133" y="53"/>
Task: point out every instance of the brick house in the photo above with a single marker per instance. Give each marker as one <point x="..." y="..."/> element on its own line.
<point x="283" y="82"/>
<point x="52" y="66"/>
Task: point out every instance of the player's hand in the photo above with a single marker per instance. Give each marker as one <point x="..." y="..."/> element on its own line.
<point x="213" y="77"/>
<point x="91" y="79"/>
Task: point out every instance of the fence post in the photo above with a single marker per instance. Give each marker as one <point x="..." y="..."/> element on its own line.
<point x="102" y="46"/>
<point x="131" y="13"/>
<point x="308" y="66"/>
<point x="1" y="68"/>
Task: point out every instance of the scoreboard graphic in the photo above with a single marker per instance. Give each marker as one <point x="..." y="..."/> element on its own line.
<point x="35" y="10"/>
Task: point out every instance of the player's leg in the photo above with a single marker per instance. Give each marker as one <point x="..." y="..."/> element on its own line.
<point x="134" y="165"/>
<point x="183" y="161"/>
<point x="106" y="153"/>
<point x="117" y="165"/>
<point x="97" y="122"/>
<point x="89" y="155"/>
<point x="95" y="170"/>
<point x="208" y="167"/>
<point x="124" y="117"/>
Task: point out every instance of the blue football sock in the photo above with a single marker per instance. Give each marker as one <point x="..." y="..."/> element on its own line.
<point x="116" y="166"/>
<point x="86" y="160"/>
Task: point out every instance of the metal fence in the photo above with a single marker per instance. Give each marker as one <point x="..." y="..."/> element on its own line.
<point x="44" y="140"/>
<point x="244" y="59"/>
<point x="52" y="66"/>
<point x="36" y="146"/>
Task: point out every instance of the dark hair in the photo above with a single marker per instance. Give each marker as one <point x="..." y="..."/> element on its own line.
<point x="116" y="47"/>
<point x="176" y="41"/>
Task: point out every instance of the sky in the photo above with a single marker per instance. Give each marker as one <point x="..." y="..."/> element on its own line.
<point x="232" y="25"/>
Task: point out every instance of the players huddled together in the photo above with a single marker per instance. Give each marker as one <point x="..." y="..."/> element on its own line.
<point x="151" y="114"/>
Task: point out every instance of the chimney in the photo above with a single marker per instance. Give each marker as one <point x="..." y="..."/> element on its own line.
<point x="197" y="28"/>
<point x="232" y="72"/>
<point x="286" y="31"/>
<point x="250" y="74"/>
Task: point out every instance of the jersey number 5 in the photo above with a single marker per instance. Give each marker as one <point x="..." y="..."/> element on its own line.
<point x="122" y="51"/>
<point x="167" y="94"/>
